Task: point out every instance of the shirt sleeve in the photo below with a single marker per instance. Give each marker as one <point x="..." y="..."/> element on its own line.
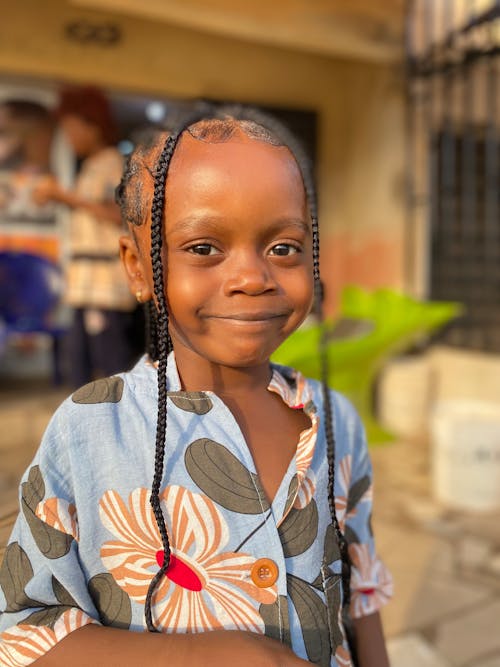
<point x="43" y="591"/>
<point x="371" y="581"/>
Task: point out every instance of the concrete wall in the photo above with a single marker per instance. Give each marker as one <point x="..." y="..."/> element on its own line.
<point x="361" y="157"/>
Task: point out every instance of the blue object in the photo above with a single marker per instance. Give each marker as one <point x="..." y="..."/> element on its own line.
<point x="30" y="289"/>
<point x="3" y="337"/>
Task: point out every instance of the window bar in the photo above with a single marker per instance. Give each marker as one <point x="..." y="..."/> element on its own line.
<point x="448" y="157"/>
<point x="411" y="102"/>
<point x="467" y="220"/>
<point x="491" y="239"/>
<point x="433" y="142"/>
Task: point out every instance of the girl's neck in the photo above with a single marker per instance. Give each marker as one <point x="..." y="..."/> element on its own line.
<point x="222" y="380"/>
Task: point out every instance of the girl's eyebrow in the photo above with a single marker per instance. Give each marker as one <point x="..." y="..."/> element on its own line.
<point x="193" y="223"/>
<point x="213" y="223"/>
<point x="282" y="223"/>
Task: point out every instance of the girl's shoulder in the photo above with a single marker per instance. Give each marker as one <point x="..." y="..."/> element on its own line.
<point x="117" y="390"/>
<point x="97" y="407"/>
<point x="95" y="431"/>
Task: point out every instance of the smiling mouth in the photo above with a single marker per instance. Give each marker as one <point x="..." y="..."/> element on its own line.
<point x="262" y="316"/>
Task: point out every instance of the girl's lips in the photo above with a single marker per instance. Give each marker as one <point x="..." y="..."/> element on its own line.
<point x="259" y="316"/>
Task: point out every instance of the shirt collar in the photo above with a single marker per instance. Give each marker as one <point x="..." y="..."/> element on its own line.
<point x="292" y="387"/>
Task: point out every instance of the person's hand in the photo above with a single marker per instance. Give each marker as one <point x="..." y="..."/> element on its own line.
<point x="47" y="189"/>
<point x="246" y="649"/>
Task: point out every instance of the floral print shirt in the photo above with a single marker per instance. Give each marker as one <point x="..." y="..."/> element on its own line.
<point x="86" y="546"/>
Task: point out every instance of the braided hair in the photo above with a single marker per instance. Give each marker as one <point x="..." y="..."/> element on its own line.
<point x="154" y="159"/>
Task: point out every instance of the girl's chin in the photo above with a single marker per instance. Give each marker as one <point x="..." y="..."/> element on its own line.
<point x="243" y="360"/>
<point x="235" y="352"/>
<point x="238" y="359"/>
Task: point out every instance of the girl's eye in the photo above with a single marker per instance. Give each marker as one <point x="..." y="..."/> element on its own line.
<point x="284" y="249"/>
<point x="203" y="249"/>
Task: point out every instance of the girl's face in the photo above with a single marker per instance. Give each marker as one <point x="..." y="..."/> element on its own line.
<point x="238" y="257"/>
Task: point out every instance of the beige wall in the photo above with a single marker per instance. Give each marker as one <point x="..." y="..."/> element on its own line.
<point x="360" y="109"/>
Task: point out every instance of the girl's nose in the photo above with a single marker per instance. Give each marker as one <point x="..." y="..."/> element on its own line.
<point x="249" y="274"/>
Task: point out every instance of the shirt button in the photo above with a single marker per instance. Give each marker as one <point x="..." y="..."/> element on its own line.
<point x="264" y="572"/>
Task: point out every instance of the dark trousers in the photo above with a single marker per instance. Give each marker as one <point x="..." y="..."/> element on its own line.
<point x="93" y="355"/>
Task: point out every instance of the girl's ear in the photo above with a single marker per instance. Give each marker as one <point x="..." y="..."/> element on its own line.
<point x="134" y="268"/>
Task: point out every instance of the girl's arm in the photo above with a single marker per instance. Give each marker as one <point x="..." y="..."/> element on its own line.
<point x="109" y="647"/>
<point x="371" y="582"/>
<point x="370" y="642"/>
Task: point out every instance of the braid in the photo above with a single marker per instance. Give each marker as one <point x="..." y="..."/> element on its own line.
<point x="328" y="411"/>
<point x="150" y="322"/>
<point x="163" y="345"/>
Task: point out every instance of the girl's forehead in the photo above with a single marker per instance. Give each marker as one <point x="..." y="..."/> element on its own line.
<point x="229" y="178"/>
<point x="239" y="150"/>
<point x="240" y="165"/>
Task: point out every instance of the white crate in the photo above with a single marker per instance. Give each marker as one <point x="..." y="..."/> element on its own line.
<point x="465" y="437"/>
<point x="404" y="397"/>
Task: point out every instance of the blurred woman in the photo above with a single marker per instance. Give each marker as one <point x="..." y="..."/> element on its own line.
<point x="99" y="341"/>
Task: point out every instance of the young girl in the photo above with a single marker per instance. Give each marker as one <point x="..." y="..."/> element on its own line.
<point x="241" y="551"/>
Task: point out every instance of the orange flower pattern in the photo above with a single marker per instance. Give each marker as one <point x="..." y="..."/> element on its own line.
<point x="342" y="501"/>
<point x="344" y="476"/>
<point x="343" y="657"/>
<point x="205" y="588"/>
<point x="59" y="514"/>
<point x="371" y="582"/>
<point x="306" y="491"/>
<point x="299" y="397"/>
<point x="23" y="644"/>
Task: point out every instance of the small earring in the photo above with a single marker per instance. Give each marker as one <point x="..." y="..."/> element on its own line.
<point x="138" y="295"/>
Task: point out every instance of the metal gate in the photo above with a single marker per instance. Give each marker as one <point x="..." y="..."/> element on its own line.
<point x="453" y="134"/>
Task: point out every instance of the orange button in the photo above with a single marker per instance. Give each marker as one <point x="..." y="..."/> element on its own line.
<point x="264" y="572"/>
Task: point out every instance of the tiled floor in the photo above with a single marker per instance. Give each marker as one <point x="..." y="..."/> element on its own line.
<point x="446" y="564"/>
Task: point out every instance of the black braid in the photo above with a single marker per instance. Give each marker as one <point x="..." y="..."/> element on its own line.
<point x="151" y="326"/>
<point x="161" y="344"/>
<point x="157" y="209"/>
<point x="328" y="412"/>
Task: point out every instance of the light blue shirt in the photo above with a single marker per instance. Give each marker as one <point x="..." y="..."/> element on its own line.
<point x="85" y="545"/>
